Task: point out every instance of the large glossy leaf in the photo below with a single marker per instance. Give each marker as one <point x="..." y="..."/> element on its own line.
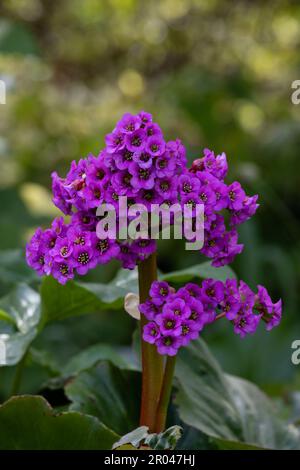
<point x="199" y="271"/>
<point x="29" y="423"/>
<point x="76" y="298"/>
<point x="93" y="354"/>
<point x="19" y="318"/>
<point x="111" y="394"/>
<point x="13" y="268"/>
<point x="227" y="407"/>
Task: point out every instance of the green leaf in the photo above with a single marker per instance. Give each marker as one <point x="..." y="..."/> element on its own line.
<point x="110" y="394"/>
<point x="140" y="437"/>
<point x="90" y="356"/>
<point x="19" y="318"/>
<point x="76" y="298"/>
<point x="227" y="407"/>
<point x="13" y="268"/>
<point x="199" y="271"/>
<point x="29" y="423"/>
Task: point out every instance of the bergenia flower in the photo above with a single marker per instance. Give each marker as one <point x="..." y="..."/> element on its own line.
<point x="180" y="317"/>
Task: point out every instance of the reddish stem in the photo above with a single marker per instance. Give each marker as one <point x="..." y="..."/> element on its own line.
<point x="152" y="362"/>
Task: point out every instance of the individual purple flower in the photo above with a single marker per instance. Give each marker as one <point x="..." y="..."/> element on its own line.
<point x="176" y="150"/>
<point x="155" y="145"/>
<point x="142" y="178"/>
<point x="271" y="313"/>
<point x="123" y="159"/>
<point x="62" y="271"/>
<point x="63" y="249"/>
<point x="188" y="183"/>
<point x="61" y="197"/>
<point x="212" y="291"/>
<point x="143" y="159"/>
<point x="149" y="309"/>
<point x="97" y="171"/>
<point x="145" y="118"/>
<point x="92" y="195"/>
<point x="230" y="248"/>
<point x="230" y="306"/>
<point x="165" y="166"/>
<point x="129" y="123"/>
<point x="104" y="250"/>
<point x="236" y="196"/>
<point x="115" y="141"/>
<point x="143" y="247"/>
<point x="148" y="197"/>
<point x="153" y="129"/>
<point x="246" y="324"/>
<point x="166" y="187"/>
<point x="169" y="323"/>
<point x="200" y="316"/>
<point x="35" y="252"/>
<point x="85" y="219"/>
<point x="159" y="292"/>
<point x="84" y="259"/>
<point x="168" y="345"/>
<point x="177" y="306"/>
<point x="151" y="332"/>
<point x="247" y="297"/>
<point x="193" y="290"/>
<point x="126" y="256"/>
<point x="122" y="183"/>
<point x="273" y="319"/>
<point x="189" y="331"/>
<point x="248" y="210"/>
<point x="136" y="141"/>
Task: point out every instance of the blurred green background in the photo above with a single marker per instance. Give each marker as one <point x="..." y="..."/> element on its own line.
<point x="214" y="73"/>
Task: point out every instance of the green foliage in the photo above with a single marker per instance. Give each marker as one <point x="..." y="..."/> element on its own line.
<point x="29" y="423"/>
<point x="19" y="319"/>
<point x="227" y="407"/>
<point x="110" y="394"/>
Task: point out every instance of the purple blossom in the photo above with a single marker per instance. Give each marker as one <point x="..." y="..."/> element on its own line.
<point x="168" y="345"/>
<point x="178" y="307"/>
<point x="236" y="196"/>
<point x="84" y="259"/>
<point x="123" y="159"/>
<point x="212" y="291"/>
<point x="165" y="166"/>
<point x="143" y="159"/>
<point x="155" y="145"/>
<point x="129" y="123"/>
<point x="136" y="141"/>
<point x="169" y="323"/>
<point x="115" y="141"/>
<point x="160" y="291"/>
<point x="151" y="333"/>
<point x="149" y="309"/>
<point x="142" y="178"/>
<point x="246" y="324"/>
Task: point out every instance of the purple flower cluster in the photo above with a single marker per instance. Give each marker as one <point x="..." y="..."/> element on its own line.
<point x="176" y="318"/>
<point x="140" y="164"/>
<point x="204" y="183"/>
